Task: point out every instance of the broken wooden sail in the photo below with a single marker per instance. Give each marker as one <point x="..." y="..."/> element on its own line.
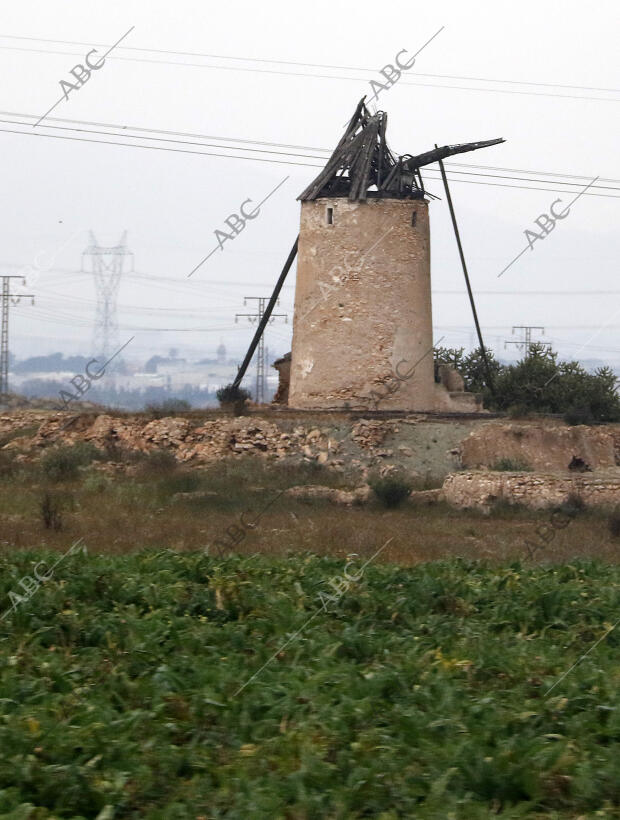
<point x="363" y="166"/>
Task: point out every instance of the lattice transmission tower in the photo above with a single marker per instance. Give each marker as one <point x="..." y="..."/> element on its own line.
<point x="5" y="298"/>
<point x="107" y="264"/>
<point x="527" y="340"/>
<point x="260" y="350"/>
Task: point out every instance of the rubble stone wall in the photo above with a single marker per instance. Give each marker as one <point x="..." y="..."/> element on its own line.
<point x="536" y="490"/>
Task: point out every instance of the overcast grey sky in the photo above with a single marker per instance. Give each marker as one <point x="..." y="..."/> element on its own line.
<point x="543" y="76"/>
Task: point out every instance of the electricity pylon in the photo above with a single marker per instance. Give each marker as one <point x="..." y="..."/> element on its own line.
<point x="107" y="265"/>
<point x="260" y="350"/>
<point x="4" y="329"/>
<point x="526" y="342"/>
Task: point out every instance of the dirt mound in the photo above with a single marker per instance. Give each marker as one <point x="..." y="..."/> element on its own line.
<point x="539" y="446"/>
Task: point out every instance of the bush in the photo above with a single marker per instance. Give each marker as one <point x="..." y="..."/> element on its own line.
<point x="519" y="411"/>
<point x="578" y="415"/>
<point x="50" y="509"/>
<point x="391" y="490"/>
<point x="62" y="463"/>
<point x="7" y="465"/>
<point x="573" y="506"/>
<point x="510" y="465"/>
<point x="539" y="383"/>
<point x="169" y="407"/>
<point x="158" y="462"/>
<point x="185" y="482"/>
<point x="471" y="367"/>
<point x="233" y="398"/>
<point x="613" y="523"/>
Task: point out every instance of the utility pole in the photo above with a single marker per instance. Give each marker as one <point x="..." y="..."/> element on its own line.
<point x="4" y="330"/>
<point x="260" y="350"/>
<point x="106" y="265"/>
<point x="527" y="341"/>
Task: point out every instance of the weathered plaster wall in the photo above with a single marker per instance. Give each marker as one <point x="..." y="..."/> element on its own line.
<point x="363" y="307"/>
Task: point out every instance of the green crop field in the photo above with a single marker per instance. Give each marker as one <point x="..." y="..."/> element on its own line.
<point x="408" y="692"/>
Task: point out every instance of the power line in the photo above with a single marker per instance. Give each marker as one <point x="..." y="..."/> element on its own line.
<point x="278" y="162"/>
<point x="125" y="132"/>
<point x="290" y="153"/>
<point x="375" y="72"/>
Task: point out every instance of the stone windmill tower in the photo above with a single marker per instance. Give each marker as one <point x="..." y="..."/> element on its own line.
<point x="363" y="293"/>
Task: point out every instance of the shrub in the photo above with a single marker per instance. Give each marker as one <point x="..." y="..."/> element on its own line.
<point x="233" y="398"/>
<point x="62" y="463"/>
<point x="391" y="490"/>
<point x="7" y="465"/>
<point x="158" y="462"/>
<point x="510" y="465"/>
<point x="50" y="508"/>
<point x="519" y="411"/>
<point x="573" y="505"/>
<point x="185" y="482"/>
<point x="578" y="415"/>
<point x="169" y="407"/>
<point x="613" y="523"/>
<point x="539" y="383"/>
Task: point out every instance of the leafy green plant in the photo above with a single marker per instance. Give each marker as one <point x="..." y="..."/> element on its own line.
<point x="425" y="691"/>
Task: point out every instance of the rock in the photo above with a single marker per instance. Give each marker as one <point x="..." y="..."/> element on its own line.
<point x="427" y="496"/>
<point x="311" y="492"/>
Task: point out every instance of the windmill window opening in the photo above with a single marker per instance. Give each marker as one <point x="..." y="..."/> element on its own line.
<point x="414" y="218"/>
<point x="330" y="216"/>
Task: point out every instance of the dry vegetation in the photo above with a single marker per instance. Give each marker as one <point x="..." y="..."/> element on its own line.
<point x="162" y="505"/>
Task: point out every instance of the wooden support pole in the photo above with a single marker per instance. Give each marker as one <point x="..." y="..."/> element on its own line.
<point x="268" y="311"/>
<point x="487" y="367"/>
